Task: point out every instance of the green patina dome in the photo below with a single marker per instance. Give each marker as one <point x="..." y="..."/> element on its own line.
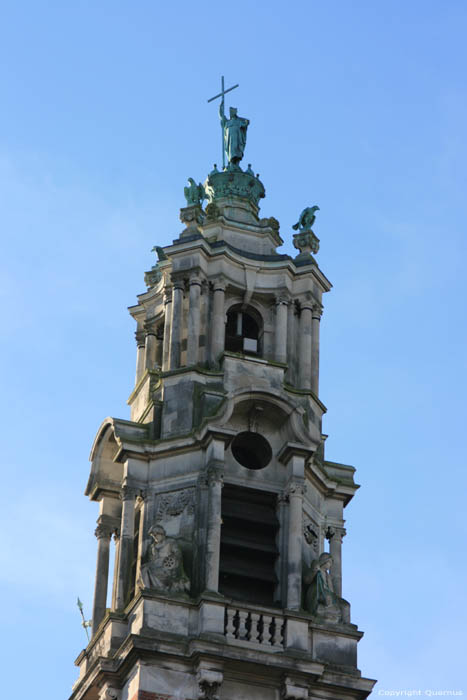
<point x="234" y="182"/>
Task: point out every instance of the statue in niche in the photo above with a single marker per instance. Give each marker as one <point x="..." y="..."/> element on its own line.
<point x="164" y="568"/>
<point x="321" y="600"/>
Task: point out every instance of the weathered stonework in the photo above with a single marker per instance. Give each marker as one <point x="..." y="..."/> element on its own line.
<point x="217" y="490"/>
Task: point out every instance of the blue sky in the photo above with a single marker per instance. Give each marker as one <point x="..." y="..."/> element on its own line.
<point x="359" y="107"/>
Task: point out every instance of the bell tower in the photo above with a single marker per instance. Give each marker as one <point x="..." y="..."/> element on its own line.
<point x="222" y="514"/>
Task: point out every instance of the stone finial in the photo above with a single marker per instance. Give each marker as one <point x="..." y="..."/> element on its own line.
<point x="193" y="216"/>
<point x="306" y="242"/>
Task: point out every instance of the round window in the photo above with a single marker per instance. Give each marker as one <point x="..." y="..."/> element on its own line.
<point x="251" y="450"/>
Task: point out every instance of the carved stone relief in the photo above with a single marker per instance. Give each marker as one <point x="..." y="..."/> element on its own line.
<point x="311" y="534"/>
<point x="169" y="505"/>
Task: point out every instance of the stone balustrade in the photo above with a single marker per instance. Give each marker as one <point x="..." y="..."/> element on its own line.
<point x="261" y="629"/>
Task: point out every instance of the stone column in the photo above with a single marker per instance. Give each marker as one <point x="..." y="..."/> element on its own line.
<point x="116" y="539"/>
<point x="150" y="343"/>
<point x="218" y="320"/>
<point x="167" y="319"/>
<point x="316" y="317"/>
<point x="335" y="536"/>
<point x="280" y="344"/>
<point x="295" y="492"/>
<point x="194" y="316"/>
<point x="291" y="344"/>
<point x="176" y="323"/>
<point x="103" y="534"/>
<point x="304" y="359"/>
<point x="125" y="558"/>
<point x="140" y="344"/>
<point x="215" y="480"/>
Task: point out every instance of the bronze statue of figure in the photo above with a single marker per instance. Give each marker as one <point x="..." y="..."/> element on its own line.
<point x="164" y="568"/>
<point x="234" y="134"/>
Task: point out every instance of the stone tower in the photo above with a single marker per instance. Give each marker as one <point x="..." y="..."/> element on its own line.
<point x="225" y="515"/>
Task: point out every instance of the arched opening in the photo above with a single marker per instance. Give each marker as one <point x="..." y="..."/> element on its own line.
<point x="251" y="450"/>
<point x="243" y="332"/>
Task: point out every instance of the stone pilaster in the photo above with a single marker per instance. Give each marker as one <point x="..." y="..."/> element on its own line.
<point x="280" y="334"/>
<point x="150" y="344"/>
<point x="291" y="343"/>
<point x="316" y="318"/>
<point x="194" y="318"/>
<point x="335" y="535"/>
<point x="306" y="311"/>
<point x="176" y="322"/>
<point x="167" y="321"/>
<point x="294" y="493"/>
<point x="218" y="320"/>
<point x="103" y="533"/>
<point x="140" y="352"/>
<point x="215" y="481"/>
<point x="127" y="528"/>
<point x="142" y="505"/>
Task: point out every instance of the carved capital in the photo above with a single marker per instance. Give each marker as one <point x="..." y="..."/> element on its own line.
<point x="282" y="297"/>
<point x="219" y="284"/>
<point x="178" y="281"/>
<point x="295" y="488"/>
<point x="168" y="295"/>
<point x="109" y="692"/>
<point x="103" y="531"/>
<point x="139" y="337"/>
<point x="127" y="493"/>
<point x="150" y="326"/>
<point x="317" y="311"/>
<point x="335" y="532"/>
<point x="215" y="475"/>
<point x="195" y="280"/>
<point x="209" y="683"/>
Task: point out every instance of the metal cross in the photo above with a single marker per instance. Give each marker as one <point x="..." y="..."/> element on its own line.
<point x="221" y="94"/>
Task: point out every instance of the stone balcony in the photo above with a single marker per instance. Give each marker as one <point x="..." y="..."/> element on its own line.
<point x="222" y="624"/>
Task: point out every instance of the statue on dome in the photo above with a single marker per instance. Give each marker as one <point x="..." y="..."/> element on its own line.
<point x="164" y="568"/>
<point x="234" y="134"/>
